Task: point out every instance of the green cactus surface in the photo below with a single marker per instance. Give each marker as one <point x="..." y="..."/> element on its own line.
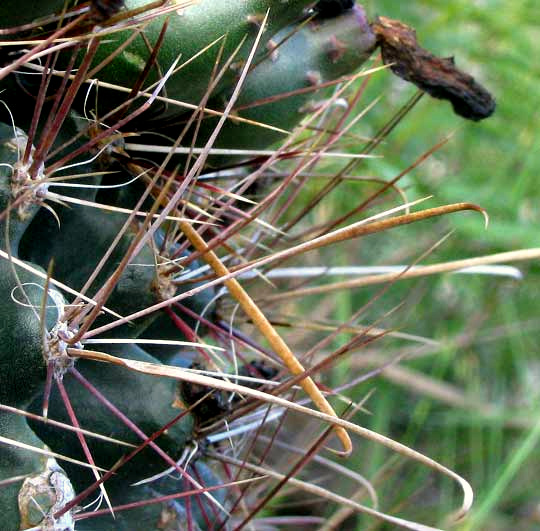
<point x="190" y="31"/>
<point x="320" y="51"/>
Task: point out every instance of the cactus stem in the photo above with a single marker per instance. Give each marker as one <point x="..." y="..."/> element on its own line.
<point x="170" y="101"/>
<point x="106" y="132"/>
<point x="146" y="440"/>
<point x="134" y="249"/>
<point x="122" y="461"/>
<point x="61" y="285"/>
<point x="63" y="425"/>
<point x="82" y="440"/>
<point x="312" y="88"/>
<point x="151" y="62"/>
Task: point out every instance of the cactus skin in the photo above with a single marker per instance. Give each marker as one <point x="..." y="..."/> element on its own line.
<point x="168" y="516"/>
<point x="125" y="389"/>
<point x="13" y="183"/>
<point x="75" y="263"/>
<point x="150" y="517"/>
<point x="189" y="31"/>
<point x="21" y="357"/>
<point x="321" y="51"/>
<point x="141" y="285"/>
<point x="22" y="362"/>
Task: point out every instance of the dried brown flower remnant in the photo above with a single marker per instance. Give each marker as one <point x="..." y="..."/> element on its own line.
<point x="435" y="75"/>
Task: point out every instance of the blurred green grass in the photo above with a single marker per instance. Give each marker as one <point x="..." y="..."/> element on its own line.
<point x="490" y="327"/>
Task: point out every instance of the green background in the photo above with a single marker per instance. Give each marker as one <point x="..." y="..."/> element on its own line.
<point x="488" y="327"/>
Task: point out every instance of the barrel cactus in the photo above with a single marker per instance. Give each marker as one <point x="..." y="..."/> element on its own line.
<point x="118" y="367"/>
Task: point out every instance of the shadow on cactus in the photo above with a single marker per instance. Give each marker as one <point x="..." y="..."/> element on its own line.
<point x="145" y="217"/>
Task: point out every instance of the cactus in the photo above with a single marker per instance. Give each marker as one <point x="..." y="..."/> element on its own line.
<point x="189" y="31"/>
<point x="107" y="285"/>
<point x="318" y="52"/>
<point x="23" y="358"/>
